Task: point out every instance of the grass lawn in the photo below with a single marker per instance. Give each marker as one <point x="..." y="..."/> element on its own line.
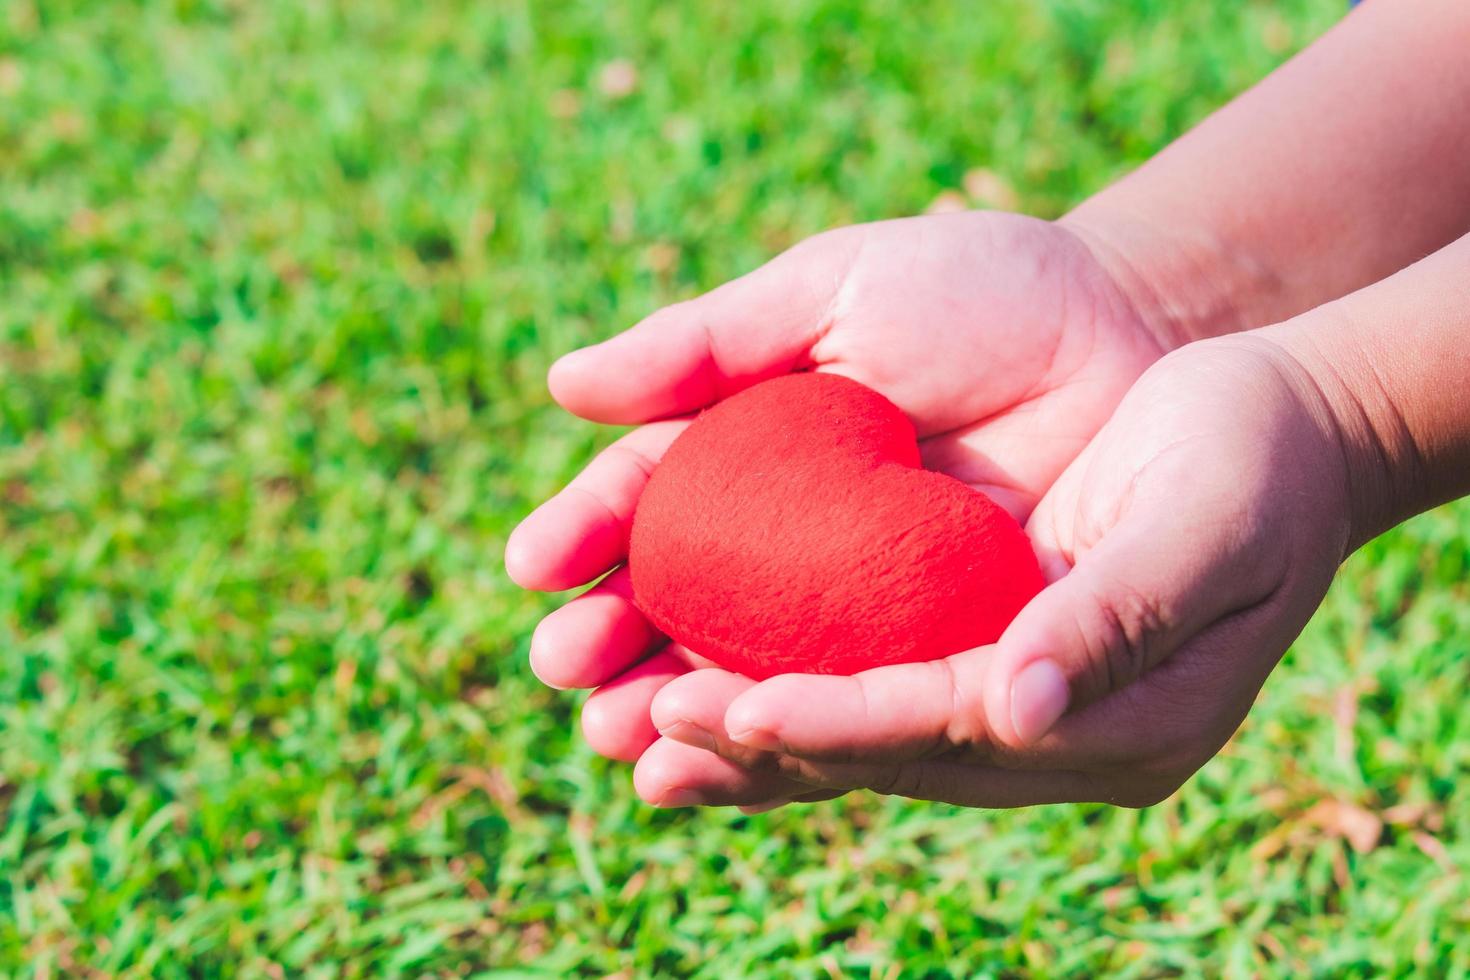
<point x="279" y="283"/>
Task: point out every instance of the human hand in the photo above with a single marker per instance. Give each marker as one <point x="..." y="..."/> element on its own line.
<point x="1187" y="546"/>
<point x="1002" y="337"/>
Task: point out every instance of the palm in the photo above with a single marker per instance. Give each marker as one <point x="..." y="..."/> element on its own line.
<point x="1000" y="336"/>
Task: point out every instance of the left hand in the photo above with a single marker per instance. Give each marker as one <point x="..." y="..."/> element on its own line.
<point x="1006" y="340"/>
<point x="1186" y="548"/>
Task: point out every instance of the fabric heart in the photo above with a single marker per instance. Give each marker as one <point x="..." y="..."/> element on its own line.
<point x="791" y="529"/>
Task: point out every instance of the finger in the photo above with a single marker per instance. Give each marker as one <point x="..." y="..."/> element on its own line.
<point x="952" y="782"/>
<point x="694" y="353"/>
<point x="818" y="797"/>
<point x="1158" y="730"/>
<point x="583" y="530"/>
<point x="887" y="714"/>
<point x="672" y="774"/>
<point x="766" y="807"/>
<point x="1125" y="607"/>
<point x="615" y="718"/>
<point x="593" y="638"/>
<point x="694" y="660"/>
<point x="692" y="710"/>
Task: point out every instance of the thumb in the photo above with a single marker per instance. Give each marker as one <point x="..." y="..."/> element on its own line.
<point x="1128" y="604"/>
<point x="694" y="353"/>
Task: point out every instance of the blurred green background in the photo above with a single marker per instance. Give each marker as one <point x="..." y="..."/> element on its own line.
<point x="279" y="283"/>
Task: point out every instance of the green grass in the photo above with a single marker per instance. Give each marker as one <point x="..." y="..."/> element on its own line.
<point x="278" y="286"/>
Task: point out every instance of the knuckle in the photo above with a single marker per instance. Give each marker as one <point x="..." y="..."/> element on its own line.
<point x="760" y="763"/>
<point x="917" y="781"/>
<point x="803" y="771"/>
<point x="1131" y="625"/>
<point x="896" y="781"/>
<point x="636" y="463"/>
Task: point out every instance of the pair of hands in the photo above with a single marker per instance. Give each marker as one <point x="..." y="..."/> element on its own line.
<point x="1190" y="508"/>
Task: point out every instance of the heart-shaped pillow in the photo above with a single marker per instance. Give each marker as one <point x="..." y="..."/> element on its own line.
<point x="791" y="529"/>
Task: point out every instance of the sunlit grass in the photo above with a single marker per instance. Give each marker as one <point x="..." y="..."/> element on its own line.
<point x="278" y="286"/>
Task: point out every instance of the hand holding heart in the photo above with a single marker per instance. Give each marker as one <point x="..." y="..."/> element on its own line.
<point x="1190" y="542"/>
<point x="791" y="529"/>
<point x="1003" y="340"/>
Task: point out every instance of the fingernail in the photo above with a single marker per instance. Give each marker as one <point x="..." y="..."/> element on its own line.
<point x="690" y="734"/>
<point x="1039" y="695"/>
<point x="681" y="797"/>
<point x="756" y="738"/>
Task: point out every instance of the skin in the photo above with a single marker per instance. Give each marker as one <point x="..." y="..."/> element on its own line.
<point x="890" y="305"/>
<point x="1297" y="442"/>
<point x="1188" y="529"/>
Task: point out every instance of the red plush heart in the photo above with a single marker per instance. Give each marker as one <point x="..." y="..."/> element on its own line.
<point x="791" y="529"/>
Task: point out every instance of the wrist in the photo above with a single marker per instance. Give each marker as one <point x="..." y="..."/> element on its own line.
<point x="1184" y="285"/>
<point x="1384" y="469"/>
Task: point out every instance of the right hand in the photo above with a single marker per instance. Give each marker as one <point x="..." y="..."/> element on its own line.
<point x="1003" y="338"/>
<point x="1186" y="546"/>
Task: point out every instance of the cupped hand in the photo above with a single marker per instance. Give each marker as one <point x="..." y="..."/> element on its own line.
<point x="1187" y="546"/>
<point x="1003" y="338"/>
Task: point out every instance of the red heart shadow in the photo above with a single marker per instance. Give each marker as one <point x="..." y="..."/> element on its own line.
<point x="791" y="529"/>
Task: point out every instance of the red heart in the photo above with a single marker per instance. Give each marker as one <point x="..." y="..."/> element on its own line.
<point x="791" y="529"/>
